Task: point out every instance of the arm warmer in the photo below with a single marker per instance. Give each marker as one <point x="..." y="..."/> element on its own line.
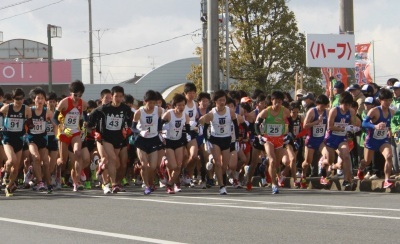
<point x="236" y="126"/>
<point x="55" y="117"/>
<point x="134" y="125"/>
<point x="160" y="125"/>
<point x="367" y="123"/>
<point x="187" y="128"/>
<point x="205" y="131"/>
<point x="257" y="126"/>
<point x="85" y="116"/>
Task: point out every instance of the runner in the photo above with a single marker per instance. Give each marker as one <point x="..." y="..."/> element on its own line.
<point x="111" y="119"/>
<point x="341" y="120"/>
<point x="377" y="122"/>
<point x="72" y="109"/>
<point x="274" y="121"/>
<point x="150" y="140"/>
<point x="315" y="123"/>
<point x="220" y="118"/>
<point x="52" y="142"/>
<point x="37" y="137"/>
<point x="176" y="140"/>
<point x="16" y="115"/>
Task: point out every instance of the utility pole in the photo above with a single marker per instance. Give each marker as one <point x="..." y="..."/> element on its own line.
<point x="203" y="19"/>
<point x="227" y="43"/>
<point x="90" y="43"/>
<point x="99" y="36"/>
<point x="346" y="24"/>
<point x="212" y="43"/>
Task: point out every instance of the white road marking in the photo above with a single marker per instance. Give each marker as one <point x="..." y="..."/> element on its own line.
<point x="253" y="208"/>
<point x="87" y="231"/>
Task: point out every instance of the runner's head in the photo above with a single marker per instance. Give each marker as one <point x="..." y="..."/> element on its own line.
<point x="117" y="93"/>
<point x="51" y="99"/>
<point x="345" y="100"/>
<point x="322" y="101"/>
<point x="179" y="102"/>
<point x="190" y="91"/>
<point x="105" y="96"/>
<point x="204" y="99"/>
<point x="294" y="108"/>
<point x="18" y="96"/>
<point x="230" y="102"/>
<point x="385" y="97"/>
<point x="219" y="98"/>
<point x="261" y="102"/>
<point x="38" y="95"/>
<point x="277" y="98"/>
<point x="150" y="98"/>
<point x="76" y="89"/>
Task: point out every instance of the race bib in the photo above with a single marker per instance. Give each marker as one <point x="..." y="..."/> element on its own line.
<point x="318" y="130"/>
<point x="50" y="129"/>
<point x="71" y="121"/>
<point x="380" y="134"/>
<point x="15" y="125"/>
<point x="296" y="130"/>
<point x="113" y="123"/>
<point x="340" y="133"/>
<point x="274" y="130"/>
<point x="175" y="133"/>
<point x="39" y="126"/>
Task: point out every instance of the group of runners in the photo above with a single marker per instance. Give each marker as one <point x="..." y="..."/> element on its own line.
<point x="195" y="140"/>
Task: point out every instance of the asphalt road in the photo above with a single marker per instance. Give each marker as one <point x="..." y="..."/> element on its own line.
<point x="200" y="216"/>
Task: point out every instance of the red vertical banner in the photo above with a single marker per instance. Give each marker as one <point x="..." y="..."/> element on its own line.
<point x="363" y="64"/>
<point x="340" y="74"/>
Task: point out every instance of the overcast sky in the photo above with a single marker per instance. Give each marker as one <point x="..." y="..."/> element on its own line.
<point x="132" y="24"/>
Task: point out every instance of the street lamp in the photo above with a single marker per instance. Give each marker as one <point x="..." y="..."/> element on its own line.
<point x="52" y="31"/>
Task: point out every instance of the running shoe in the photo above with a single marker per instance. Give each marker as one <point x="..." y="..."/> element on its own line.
<point x="298" y="174"/>
<point x="80" y="187"/>
<point x="297" y="184"/>
<point x="8" y="192"/>
<point x="49" y="189"/>
<point x="153" y="188"/>
<point x="263" y="182"/>
<point x="83" y="176"/>
<point x="106" y="189"/>
<point x="147" y="191"/>
<point x="360" y="174"/>
<point x="323" y="181"/>
<point x="115" y="189"/>
<point x="374" y="177"/>
<point x="346" y="183"/>
<point x="236" y="184"/>
<point x="192" y="184"/>
<point x="75" y="188"/>
<point x="122" y="188"/>
<point x="303" y="183"/>
<point x="222" y="191"/>
<point x="367" y="176"/>
<point x="58" y="184"/>
<point x="177" y="188"/>
<point x="41" y="186"/>
<point x="209" y="183"/>
<point x="162" y="184"/>
<point x="249" y="186"/>
<point x="170" y="190"/>
<point x="124" y="182"/>
<point x="275" y="189"/>
<point x="388" y="184"/>
<point x="203" y="185"/>
<point x="88" y="185"/>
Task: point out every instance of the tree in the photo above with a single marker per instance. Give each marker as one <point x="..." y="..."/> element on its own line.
<point x="266" y="48"/>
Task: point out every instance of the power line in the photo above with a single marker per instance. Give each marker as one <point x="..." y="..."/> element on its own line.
<point x="15" y="4"/>
<point x="32" y="10"/>
<point x="128" y="50"/>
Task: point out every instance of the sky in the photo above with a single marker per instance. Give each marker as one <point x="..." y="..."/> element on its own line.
<point x="135" y="28"/>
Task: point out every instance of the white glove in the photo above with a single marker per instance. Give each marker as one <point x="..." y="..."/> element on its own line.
<point x="144" y="133"/>
<point x="200" y="130"/>
<point x="209" y="164"/>
<point x="192" y="124"/>
<point x="188" y="137"/>
<point x="161" y="138"/>
<point x="352" y="128"/>
<point x="237" y="146"/>
<point x="247" y="122"/>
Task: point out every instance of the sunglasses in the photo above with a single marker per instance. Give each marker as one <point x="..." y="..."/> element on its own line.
<point x="77" y="95"/>
<point x="18" y="98"/>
